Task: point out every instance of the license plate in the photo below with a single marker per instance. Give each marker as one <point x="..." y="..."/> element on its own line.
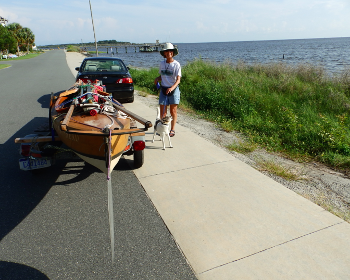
<point x="36" y="163"/>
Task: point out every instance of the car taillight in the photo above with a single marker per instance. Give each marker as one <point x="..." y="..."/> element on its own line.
<point x="139" y="145"/>
<point x="124" y="81"/>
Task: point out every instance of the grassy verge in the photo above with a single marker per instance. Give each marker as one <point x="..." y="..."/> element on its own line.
<point x="94" y="52"/>
<point x="72" y="48"/>
<point x="278" y="169"/>
<point x="296" y="110"/>
<point x="243" y="147"/>
<point x="27" y="56"/>
<point x="3" y="66"/>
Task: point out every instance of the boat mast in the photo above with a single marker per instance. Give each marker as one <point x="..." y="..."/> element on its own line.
<point x="93" y="27"/>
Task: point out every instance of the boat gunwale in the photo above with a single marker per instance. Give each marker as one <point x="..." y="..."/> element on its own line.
<point x="100" y="133"/>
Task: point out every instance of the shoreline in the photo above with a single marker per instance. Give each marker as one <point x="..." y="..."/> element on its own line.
<point x="318" y="183"/>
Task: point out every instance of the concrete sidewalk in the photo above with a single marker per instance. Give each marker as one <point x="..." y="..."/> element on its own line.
<point x="231" y="221"/>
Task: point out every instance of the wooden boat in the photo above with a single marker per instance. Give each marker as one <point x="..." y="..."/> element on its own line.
<point x="94" y="125"/>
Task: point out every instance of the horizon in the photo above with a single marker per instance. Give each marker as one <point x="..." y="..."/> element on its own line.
<point x="60" y="44"/>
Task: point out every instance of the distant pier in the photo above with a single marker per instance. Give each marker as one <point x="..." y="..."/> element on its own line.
<point x="129" y="48"/>
<point x="132" y="48"/>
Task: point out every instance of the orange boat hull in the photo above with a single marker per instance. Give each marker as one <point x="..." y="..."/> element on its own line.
<point x="86" y="135"/>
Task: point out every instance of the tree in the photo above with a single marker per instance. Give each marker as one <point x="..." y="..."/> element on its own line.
<point x="31" y="40"/>
<point x="7" y="41"/>
<point x="15" y="30"/>
<point x="27" y="37"/>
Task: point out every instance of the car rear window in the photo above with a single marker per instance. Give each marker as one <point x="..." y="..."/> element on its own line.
<point x="104" y="66"/>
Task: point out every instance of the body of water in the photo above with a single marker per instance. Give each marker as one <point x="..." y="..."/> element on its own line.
<point x="331" y="53"/>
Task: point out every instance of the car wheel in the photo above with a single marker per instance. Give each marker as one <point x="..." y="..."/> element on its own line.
<point x="138" y="158"/>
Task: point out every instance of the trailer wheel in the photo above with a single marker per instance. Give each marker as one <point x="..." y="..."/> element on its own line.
<point x="138" y="158"/>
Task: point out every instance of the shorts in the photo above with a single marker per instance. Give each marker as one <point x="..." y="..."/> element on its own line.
<point x="167" y="100"/>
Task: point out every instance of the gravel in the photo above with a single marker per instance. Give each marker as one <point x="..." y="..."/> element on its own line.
<point x="326" y="187"/>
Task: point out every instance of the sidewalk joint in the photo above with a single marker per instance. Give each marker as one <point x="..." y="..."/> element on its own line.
<point x="188" y="168"/>
<point x="261" y="251"/>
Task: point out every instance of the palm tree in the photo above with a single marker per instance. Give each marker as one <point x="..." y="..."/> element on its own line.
<point x="27" y="37"/>
<point x="31" y="39"/>
<point x="22" y="37"/>
<point x="15" y="29"/>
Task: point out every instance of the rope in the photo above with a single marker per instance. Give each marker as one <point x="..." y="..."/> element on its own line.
<point x="59" y="148"/>
<point x="109" y="153"/>
<point x="109" y="125"/>
<point x="110" y="196"/>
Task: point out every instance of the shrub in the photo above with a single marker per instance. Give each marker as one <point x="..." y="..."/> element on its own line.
<point x="296" y="109"/>
<point x="72" y="48"/>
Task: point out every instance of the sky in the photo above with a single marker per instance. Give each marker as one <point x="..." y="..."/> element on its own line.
<point x="180" y="21"/>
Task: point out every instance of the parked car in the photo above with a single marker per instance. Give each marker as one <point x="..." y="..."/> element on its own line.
<point x="112" y="72"/>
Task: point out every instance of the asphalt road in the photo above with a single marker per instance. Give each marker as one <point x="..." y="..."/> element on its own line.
<point x="54" y="225"/>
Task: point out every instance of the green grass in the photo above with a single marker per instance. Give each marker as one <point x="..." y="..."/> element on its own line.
<point x="72" y="48"/>
<point x="3" y="66"/>
<point x="27" y="56"/>
<point x="296" y="110"/>
<point x="243" y="147"/>
<point x="144" y="79"/>
<point x="94" y="52"/>
<point x="277" y="169"/>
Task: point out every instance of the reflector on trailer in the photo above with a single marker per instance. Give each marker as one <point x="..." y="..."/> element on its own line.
<point x="25" y="150"/>
<point x="127" y="148"/>
<point x="139" y="145"/>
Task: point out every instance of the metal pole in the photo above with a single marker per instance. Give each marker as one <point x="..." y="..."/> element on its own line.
<point x="93" y="27"/>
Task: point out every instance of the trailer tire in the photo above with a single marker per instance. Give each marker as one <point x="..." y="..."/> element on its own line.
<point x="138" y="158"/>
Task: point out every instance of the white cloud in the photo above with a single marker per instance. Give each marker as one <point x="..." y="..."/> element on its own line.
<point x="10" y="16"/>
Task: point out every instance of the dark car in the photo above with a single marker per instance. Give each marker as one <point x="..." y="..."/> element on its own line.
<point x="112" y="72"/>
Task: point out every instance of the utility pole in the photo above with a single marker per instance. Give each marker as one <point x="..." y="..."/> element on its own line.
<point x="93" y="27"/>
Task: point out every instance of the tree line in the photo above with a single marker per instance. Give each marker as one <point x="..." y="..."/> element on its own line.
<point x="15" y="38"/>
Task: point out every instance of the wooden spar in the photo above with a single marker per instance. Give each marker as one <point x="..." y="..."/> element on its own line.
<point x="67" y="118"/>
<point x="114" y="132"/>
<point x="68" y="92"/>
<point x="141" y="120"/>
<point x="36" y="139"/>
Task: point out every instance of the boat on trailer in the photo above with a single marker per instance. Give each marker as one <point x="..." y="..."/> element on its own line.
<point x="95" y="127"/>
